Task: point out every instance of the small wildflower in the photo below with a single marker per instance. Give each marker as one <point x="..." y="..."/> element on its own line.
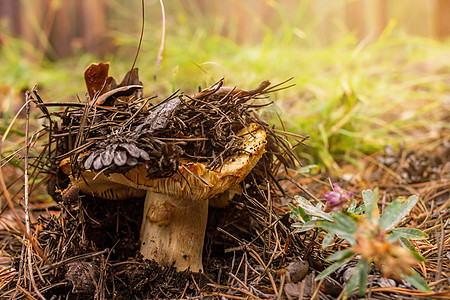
<point x="391" y="259"/>
<point x="337" y="199"/>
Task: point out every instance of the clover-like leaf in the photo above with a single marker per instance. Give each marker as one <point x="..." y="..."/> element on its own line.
<point x="144" y="155"/>
<point x="98" y="163"/>
<point x="89" y="161"/>
<point x="132" y="149"/>
<point x="107" y="156"/>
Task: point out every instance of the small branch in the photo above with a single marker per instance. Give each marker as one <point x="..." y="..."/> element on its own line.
<point x="159" y="58"/>
<point x="27" y="200"/>
<point x="140" y="37"/>
<point x="8" y="196"/>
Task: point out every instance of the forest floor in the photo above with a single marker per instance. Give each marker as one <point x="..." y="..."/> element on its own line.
<point x="251" y="250"/>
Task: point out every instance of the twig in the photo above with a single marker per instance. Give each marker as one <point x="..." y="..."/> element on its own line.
<point x="317" y="290"/>
<point x="27" y="199"/>
<point x="26" y="293"/>
<point x="302" y="290"/>
<point x="140" y="37"/>
<point x="281" y="288"/>
<point x="195" y="283"/>
<point x="440" y="250"/>
<point x="9" y="199"/>
<point x="226" y="296"/>
<point x="75" y="258"/>
<point x="159" y="58"/>
<point x="30" y="270"/>
<point x="238" y="280"/>
<point x="184" y="290"/>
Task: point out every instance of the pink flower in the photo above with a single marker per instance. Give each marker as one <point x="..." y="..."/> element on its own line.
<point x="337" y="199"/>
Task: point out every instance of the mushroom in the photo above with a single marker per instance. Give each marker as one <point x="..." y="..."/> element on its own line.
<point x="176" y="207"/>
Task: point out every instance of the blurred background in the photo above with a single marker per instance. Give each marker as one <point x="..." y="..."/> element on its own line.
<point x="368" y="73"/>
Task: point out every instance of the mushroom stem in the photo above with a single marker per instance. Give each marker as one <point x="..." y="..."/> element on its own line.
<point x="173" y="235"/>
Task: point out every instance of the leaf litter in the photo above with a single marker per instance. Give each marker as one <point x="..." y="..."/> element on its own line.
<point x="93" y="245"/>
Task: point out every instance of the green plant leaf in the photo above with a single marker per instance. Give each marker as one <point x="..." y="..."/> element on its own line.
<point x="370" y="202"/>
<point x="406" y="243"/>
<point x="332" y="268"/>
<point x="343" y="232"/>
<point x="352" y="216"/>
<point x="362" y="283"/>
<point x="393" y="237"/>
<point x="396" y="211"/>
<point x="390" y="217"/>
<point x="409" y="204"/>
<point x="408" y="233"/>
<point x="417" y="281"/>
<point x="340" y="255"/>
<point x="308" y="169"/>
<point x="360" y="209"/>
<point x="344" y="221"/>
<point x="302" y="227"/>
<point x="352" y="207"/>
<point x="327" y="240"/>
<point x="303" y="214"/>
<point x="311" y="210"/>
<point x="359" y="278"/>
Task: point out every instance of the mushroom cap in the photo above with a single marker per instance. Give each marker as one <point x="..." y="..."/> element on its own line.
<point x="97" y="184"/>
<point x="193" y="181"/>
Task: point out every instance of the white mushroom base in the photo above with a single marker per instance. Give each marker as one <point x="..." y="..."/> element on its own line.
<point x="173" y="235"/>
